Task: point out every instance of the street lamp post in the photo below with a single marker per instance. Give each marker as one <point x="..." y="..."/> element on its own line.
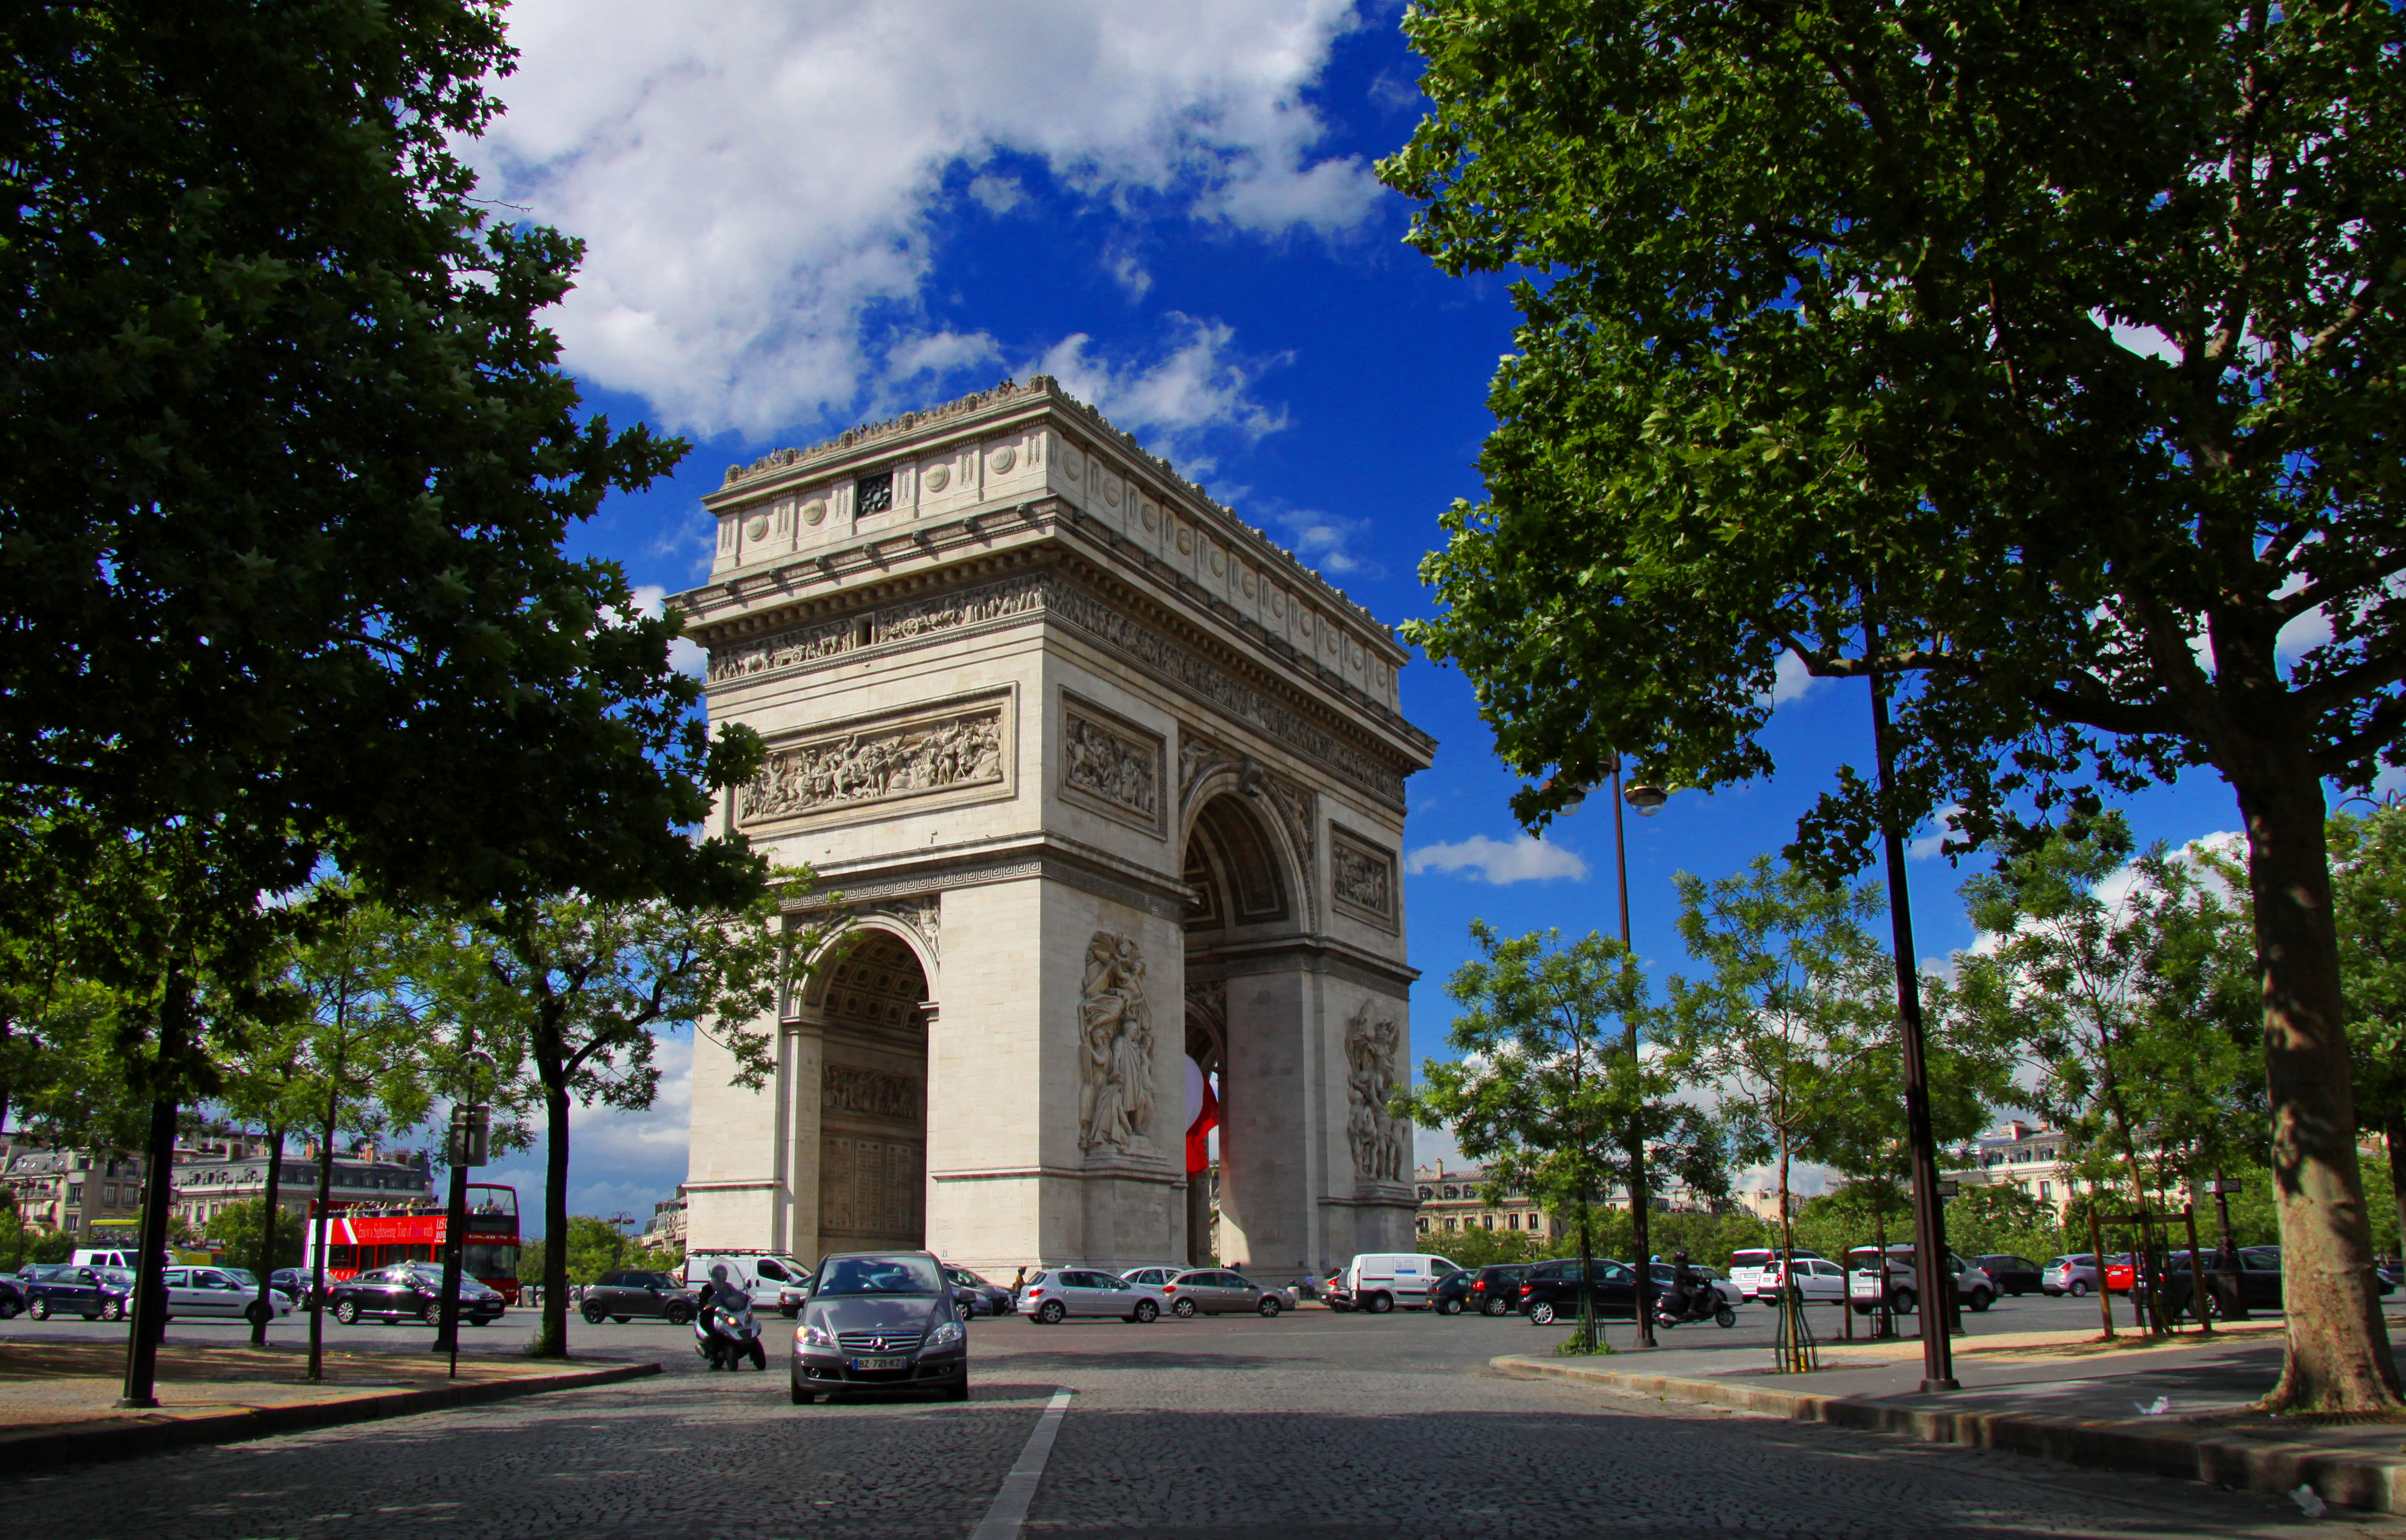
<point x="470" y="1126"/>
<point x="1929" y="1217"/>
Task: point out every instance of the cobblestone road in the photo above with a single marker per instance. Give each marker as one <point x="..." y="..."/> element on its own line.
<point x="1312" y="1426"/>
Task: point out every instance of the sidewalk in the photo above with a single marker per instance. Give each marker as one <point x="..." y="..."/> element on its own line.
<point x="2060" y="1394"/>
<point x="57" y="1399"/>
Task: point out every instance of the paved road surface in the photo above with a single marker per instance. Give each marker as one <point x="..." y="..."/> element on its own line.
<point x="1312" y="1426"/>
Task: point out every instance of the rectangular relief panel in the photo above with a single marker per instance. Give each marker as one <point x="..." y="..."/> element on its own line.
<point x="1362" y="877"/>
<point x="962" y="749"/>
<point x="1113" y="766"/>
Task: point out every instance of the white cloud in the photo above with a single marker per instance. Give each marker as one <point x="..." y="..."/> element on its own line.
<point x="1790" y="681"/>
<point x="1930" y="843"/>
<point x="999" y="194"/>
<point x="1524" y="859"/>
<point x="756" y="181"/>
<point x="1431" y="1146"/>
<point x="1127" y="271"/>
<point x="1199" y="386"/>
<point x="618" y="1162"/>
<point x="1322" y="539"/>
<point x="685" y="655"/>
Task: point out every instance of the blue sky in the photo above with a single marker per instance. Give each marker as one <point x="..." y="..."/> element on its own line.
<point x="800" y="216"/>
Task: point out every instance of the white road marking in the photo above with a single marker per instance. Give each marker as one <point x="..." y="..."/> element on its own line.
<point x="1002" y="1521"/>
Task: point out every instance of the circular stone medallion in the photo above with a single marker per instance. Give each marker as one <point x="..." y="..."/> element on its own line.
<point x="1308" y="620"/>
<point x="1278" y="602"/>
<point x="939" y="478"/>
<point x="1004" y="458"/>
<point x="1071" y="466"/>
<point x="756" y="527"/>
<point x="1219" y="561"/>
<point x="1111" y="492"/>
<point x="1249" y="584"/>
<point x="1185" y="542"/>
<point x="1152" y="517"/>
<point x="813" y="510"/>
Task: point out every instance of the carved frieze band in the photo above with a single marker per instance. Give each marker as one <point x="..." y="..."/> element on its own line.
<point x="881" y="759"/>
<point x="920" y="913"/>
<point x="1075" y="606"/>
<point x="1362" y="877"/>
<point x="1113" y="766"/>
<point x="871" y="1093"/>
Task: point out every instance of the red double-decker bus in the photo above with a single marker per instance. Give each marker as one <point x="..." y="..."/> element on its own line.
<point x="360" y="1237"/>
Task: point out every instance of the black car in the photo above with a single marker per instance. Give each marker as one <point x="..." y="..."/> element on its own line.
<point x="410" y="1291"/>
<point x="12" y="1298"/>
<point x="1550" y="1291"/>
<point x="623" y="1297"/>
<point x="2260" y="1277"/>
<point x="95" y="1293"/>
<point x="1494" y="1290"/>
<point x="2013" y="1275"/>
<point x="1450" y="1294"/>
<point x="974" y="1296"/>
<point x="292" y="1283"/>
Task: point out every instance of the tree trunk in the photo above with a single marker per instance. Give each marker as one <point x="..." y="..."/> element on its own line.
<point x="317" y="1283"/>
<point x="2339" y="1358"/>
<point x="267" y="1237"/>
<point x="150" y="1312"/>
<point x="552" y="1342"/>
<point x="1641" y="1233"/>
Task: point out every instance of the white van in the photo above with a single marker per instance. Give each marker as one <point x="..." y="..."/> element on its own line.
<point x="1379" y="1281"/>
<point x="759" y="1274"/>
<point x="113" y="1256"/>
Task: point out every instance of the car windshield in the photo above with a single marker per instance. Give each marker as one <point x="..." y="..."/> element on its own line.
<point x="243" y="1275"/>
<point x="893" y="1274"/>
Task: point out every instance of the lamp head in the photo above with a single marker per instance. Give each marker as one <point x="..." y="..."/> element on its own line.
<point x="1647" y="799"/>
<point x="1574" y="794"/>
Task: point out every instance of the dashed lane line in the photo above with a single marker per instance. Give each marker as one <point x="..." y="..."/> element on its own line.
<point x="1003" y="1520"/>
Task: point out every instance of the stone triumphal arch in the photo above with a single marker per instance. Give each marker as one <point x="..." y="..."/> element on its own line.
<point x="1098" y="781"/>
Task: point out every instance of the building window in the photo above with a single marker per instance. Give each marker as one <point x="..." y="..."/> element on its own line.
<point x="1427" y="1193"/>
<point x="1491" y="1221"/>
<point x="75" y="1192"/>
<point x="872" y="494"/>
<point x="2046" y="1192"/>
<point x="1422" y="1226"/>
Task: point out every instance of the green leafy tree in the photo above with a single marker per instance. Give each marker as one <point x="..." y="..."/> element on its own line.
<point x="253" y="1244"/>
<point x="587" y="985"/>
<point x="595" y="1246"/>
<point x="1852" y="346"/>
<point x="2000" y="1217"/>
<point x="1791" y="1015"/>
<point x="2369" y="900"/>
<point x="1545" y="1094"/>
<point x="2130" y="984"/>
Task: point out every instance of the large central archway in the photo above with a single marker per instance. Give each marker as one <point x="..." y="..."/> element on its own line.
<point x="1244" y="1030"/>
<point x="873" y="1134"/>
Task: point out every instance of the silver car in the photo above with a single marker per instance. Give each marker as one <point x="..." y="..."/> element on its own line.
<point x="1053" y="1295"/>
<point x="879" y="1321"/>
<point x="2069" y="1275"/>
<point x="1216" y="1290"/>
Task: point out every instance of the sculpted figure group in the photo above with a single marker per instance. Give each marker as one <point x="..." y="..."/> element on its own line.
<point x="1115" y="1031"/>
<point x="1371" y="1046"/>
<point x="867" y="767"/>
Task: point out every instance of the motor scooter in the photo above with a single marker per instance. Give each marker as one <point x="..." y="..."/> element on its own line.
<point x="1704" y="1304"/>
<point x="723" y="1338"/>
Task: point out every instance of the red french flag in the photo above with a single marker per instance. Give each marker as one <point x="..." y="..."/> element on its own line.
<point x="1198" y="1136"/>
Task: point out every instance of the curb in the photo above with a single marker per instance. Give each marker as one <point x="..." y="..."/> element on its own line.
<point x="2370" y="1483"/>
<point x="24" y="1454"/>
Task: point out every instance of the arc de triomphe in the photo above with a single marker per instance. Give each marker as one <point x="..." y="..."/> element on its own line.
<point x="1096" y="779"/>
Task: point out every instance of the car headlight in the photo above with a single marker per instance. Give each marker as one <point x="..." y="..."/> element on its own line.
<point x="945" y="1334"/>
<point x="815" y="1337"/>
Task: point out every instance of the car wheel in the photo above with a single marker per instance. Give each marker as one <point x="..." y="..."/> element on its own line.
<point x="1147" y="1312"/>
<point x="967" y="1312"/>
<point x="1904" y="1302"/>
<point x="801" y="1397"/>
<point x="39" y="1310"/>
<point x="257" y="1314"/>
<point x="1541" y="1313"/>
<point x="595" y="1315"/>
<point x="1051" y="1312"/>
<point x="1724" y="1317"/>
<point x="1183" y="1309"/>
<point x="347" y="1313"/>
<point x="789" y="1312"/>
<point x="959" y="1388"/>
<point x="2080" y="1287"/>
<point x="430" y="1314"/>
<point x="113" y="1311"/>
<point x="1379" y="1305"/>
<point x="1449" y="1307"/>
<point x="679" y="1315"/>
<point x="9" y="1309"/>
<point x="1270" y="1307"/>
<point x="1981" y="1300"/>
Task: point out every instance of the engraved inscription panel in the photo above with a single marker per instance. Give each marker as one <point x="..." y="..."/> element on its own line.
<point x="871" y="1093"/>
<point x="873" y="1188"/>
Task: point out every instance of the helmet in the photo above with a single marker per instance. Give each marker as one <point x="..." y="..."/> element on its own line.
<point x="718" y="1272"/>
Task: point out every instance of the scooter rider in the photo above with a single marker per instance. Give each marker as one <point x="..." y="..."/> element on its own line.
<point x="721" y="1297"/>
<point x="1681" y="1300"/>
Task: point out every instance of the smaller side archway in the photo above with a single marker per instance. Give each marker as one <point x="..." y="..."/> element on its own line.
<point x="857" y="1069"/>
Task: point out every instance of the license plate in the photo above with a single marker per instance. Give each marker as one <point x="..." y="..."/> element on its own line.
<point x="872" y="1364"/>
